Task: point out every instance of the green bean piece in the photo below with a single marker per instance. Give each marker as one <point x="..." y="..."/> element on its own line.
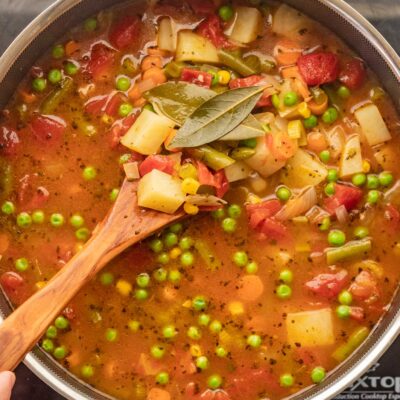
<point x="253" y="62"/>
<point x="51" y="102"/>
<point x="242" y="153"/>
<point x="352" y="249"/>
<point x="236" y="62"/>
<point x="355" y="339"/>
<point x="212" y="158"/>
<point x="174" y="69"/>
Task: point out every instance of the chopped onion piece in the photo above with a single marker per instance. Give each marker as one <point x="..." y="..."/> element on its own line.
<point x="316" y="214"/>
<point x="205" y="200"/>
<point x="131" y="171"/>
<point x="306" y="199"/>
<point x="342" y="214"/>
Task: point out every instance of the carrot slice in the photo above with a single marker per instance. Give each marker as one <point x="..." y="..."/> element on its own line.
<point x="250" y="288"/>
<point x="300" y="84"/>
<point x="287" y="52"/>
<point x="156" y="74"/>
<point x="71" y="47"/>
<point x="158" y="394"/>
<point x="27" y="97"/>
<point x="318" y="109"/>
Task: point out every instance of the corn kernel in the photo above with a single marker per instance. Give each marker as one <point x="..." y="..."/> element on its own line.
<point x="107" y="119"/>
<point x="190" y="209"/>
<point x="296" y="129"/>
<point x="187" y="304"/>
<point x="236" y="308"/>
<point x="303" y="110"/>
<point x="124" y="287"/>
<point x="223" y="77"/>
<point x="366" y="166"/>
<point x="190" y="186"/>
<point x="175" y="253"/>
<point x="253" y="199"/>
<point x="40" y="285"/>
<point x="187" y="171"/>
<point x="195" y="350"/>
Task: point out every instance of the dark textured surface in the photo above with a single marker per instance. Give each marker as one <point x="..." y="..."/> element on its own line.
<point x="379" y="383"/>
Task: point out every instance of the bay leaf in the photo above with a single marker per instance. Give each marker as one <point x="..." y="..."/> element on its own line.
<point x="248" y="129"/>
<point x="178" y="100"/>
<point x="217" y="117"/>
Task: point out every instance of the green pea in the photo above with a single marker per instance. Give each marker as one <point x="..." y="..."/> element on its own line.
<point x="61" y="322"/>
<point x="372" y="181"/>
<point x="57" y="220"/>
<point x="194" y="333"/>
<point x="134" y="326"/>
<point x="90" y="24"/>
<point x="124" y="158"/>
<point x="215" y="78"/>
<point x="87" y="371"/>
<point x="123" y="83"/>
<point x="240" y="258"/>
<point x="107" y="278"/>
<point x="163" y="258"/>
<point x="54" y="76"/>
<point x="199" y="303"/>
<point x="21" y="264"/>
<point x="386" y="178"/>
<point x="284" y="292"/>
<point x="359" y="179"/>
<point x="310" y="122"/>
<point x="60" y="352"/>
<point x="361" y="232"/>
<point x="169" y="331"/>
<point x="160" y="274"/>
<point x="174" y="276"/>
<point x="51" y="332"/>
<point x="187" y="259"/>
<point x="234" y="211"/>
<point x="318" y="374"/>
<point x="202" y="362"/>
<point x="125" y="109"/>
<point x="250" y="143"/>
<point x="290" y="99"/>
<point x="58" y="51"/>
<point x="111" y="335"/>
<point x="254" y="341"/>
<point x="82" y="234"/>
<point x="39" y="84"/>
<point x="325" y="156"/>
<point x="215" y="326"/>
<point x="229" y="225"/>
<point x="332" y="175"/>
<point x="214" y="381"/>
<point x="286" y="380"/>
<point x="89" y="173"/>
<point x="176" y="228"/>
<point x="325" y="224"/>
<point x="77" y="221"/>
<point x="24" y="220"/>
<point x="343" y="311"/>
<point x="114" y="194"/>
<point x="330" y="189"/>
<point x="218" y="214"/>
<point x="203" y="320"/>
<point x="149" y="107"/>
<point x="330" y="115"/>
<point x="38" y="217"/>
<point x="286" y="276"/>
<point x="8" y="208"/>
<point x="47" y="345"/>
<point x="221" y="352"/>
<point x="141" y="294"/>
<point x="343" y="92"/>
<point x="226" y="12"/>
<point x="252" y="268"/>
<point x="143" y="280"/>
<point x="157" y="351"/>
<point x="186" y="243"/>
<point x="71" y="68"/>
<point x="170" y="239"/>
<point x="283" y="193"/>
<point x="336" y="238"/>
<point x="345" y="298"/>
<point x="162" y="378"/>
<point x="156" y="245"/>
<point x="373" y="196"/>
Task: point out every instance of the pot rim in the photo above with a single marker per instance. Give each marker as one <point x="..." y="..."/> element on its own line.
<point x="34" y="361"/>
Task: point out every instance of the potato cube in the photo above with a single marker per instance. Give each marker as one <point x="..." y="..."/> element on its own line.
<point x="247" y="25"/>
<point x="166" y="38"/>
<point x="196" y="48"/>
<point x="160" y="191"/>
<point x="351" y="162"/>
<point x="237" y="171"/>
<point x="148" y="132"/>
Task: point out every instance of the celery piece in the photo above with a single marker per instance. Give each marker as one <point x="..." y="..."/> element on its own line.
<point x="51" y="102"/>
<point x="352" y="249"/>
<point x="212" y="262"/>
<point x="212" y="158"/>
<point x="355" y="339"/>
<point x="236" y="63"/>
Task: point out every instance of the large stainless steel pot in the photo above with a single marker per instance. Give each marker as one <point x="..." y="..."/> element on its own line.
<point x="336" y="15"/>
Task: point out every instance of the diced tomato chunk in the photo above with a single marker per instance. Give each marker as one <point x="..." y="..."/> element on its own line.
<point x="119" y="129"/>
<point x="328" y="285"/>
<point x="357" y="313"/>
<point x="14" y="286"/>
<point x="319" y="68"/>
<point x="257" y="213"/>
<point x="202" y="7"/>
<point x="353" y="74"/>
<point x="252" y="80"/>
<point x="364" y="287"/>
<point x="199" y="78"/>
<point x="221" y="183"/>
<point x="218" y="180"/>
<point x="96" y="105"/>
<point x="30" y="195"/>
<point x="9" y="141"/>
<point x="204" y="174"/>
<point x="100" y="62"/>
<point x="125" y="32"/>
<point x="273" y="229"/>
<point x="162" y="163"/>
<point x="392" y="215"/>
<point x="113" y="104"/>
<point x="47" y="130"/>
<point x="347" y="196"/>
<point x="211" y="28"/>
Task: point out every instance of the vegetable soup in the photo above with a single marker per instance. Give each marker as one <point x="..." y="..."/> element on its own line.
<point x="281" y="148"/>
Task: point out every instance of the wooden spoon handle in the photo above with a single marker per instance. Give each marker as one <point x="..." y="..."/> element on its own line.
<point x="23" y="328"/>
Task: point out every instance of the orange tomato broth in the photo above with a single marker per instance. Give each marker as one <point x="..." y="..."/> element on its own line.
<point x="244" y="301"/>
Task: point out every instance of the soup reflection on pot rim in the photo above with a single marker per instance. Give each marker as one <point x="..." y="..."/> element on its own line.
<point x="279" y="142"/>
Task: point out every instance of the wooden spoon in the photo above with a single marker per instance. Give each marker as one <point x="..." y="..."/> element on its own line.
<point x="124" y="225"/>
